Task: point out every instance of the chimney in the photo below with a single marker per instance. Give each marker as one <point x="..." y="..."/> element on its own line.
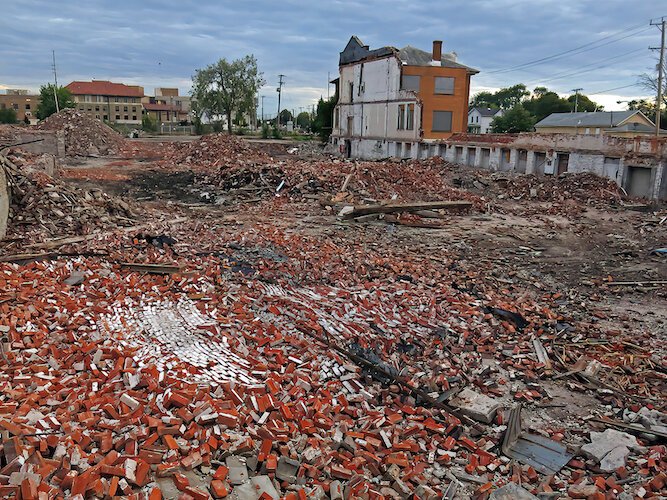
<point x="437" y="50"/>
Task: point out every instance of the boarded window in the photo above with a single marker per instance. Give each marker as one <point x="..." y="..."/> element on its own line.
<point x="442" y="121"/>
<point x="444" y="85"/>
<point x="410" y="82"/>
<point x="410" y="119"/>
<point x="401" y="117"/>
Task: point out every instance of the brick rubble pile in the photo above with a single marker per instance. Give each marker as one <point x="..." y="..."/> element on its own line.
<point x="84" y="136"/>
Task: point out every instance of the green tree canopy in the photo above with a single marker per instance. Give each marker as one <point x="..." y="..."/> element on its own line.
<point x="285" y="116"/>
<point x="47" y="104"/>
<point x="544" y="103"/>
<point x="223" y="88"/>
<point x="584" y="103"/>
<point x="505" y="98"/>
<point x="323" y="122"/>
<point x="513" y="121"/>
<point x="303" y="119"/>
<point x="7" y="115"/>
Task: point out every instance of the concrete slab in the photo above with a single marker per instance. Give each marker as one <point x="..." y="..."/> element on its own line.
<point x="512" y="491"/>
<point x="477" y="406"/>
<point x="255" y="488"/>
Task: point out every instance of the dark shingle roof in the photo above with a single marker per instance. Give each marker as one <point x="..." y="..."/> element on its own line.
<point x="412" y="56"/>
<point x="485" y="111"/>
<point x="592" y="119"/>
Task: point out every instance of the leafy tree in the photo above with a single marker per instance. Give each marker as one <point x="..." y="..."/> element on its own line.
<point x="148" y="123"/>
<point x="648" y="108"/>
<point x="484" y="100"/>
<point x="513" y="121"/>
<point x="286" y="116"/>
<point x="303" y="120"/>
<point x="7" y="115"/>
<point x="323" y="122"/>
<point x="545" y="103"/>
<point x="47" y="104"/>
<point x="583" y="103"/>
<point x="224" y="88"/>
<point x="505" y="98"/>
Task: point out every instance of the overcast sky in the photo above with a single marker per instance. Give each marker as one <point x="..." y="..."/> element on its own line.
<point x="160" y="43"/>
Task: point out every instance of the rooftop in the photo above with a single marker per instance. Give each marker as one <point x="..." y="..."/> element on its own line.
<point x="104" y="87"/>
<point x="485" y="111"/>
<point x="588" y="119"/>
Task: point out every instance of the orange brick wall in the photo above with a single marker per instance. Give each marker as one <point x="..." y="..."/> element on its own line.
<point x="456" y="103"/>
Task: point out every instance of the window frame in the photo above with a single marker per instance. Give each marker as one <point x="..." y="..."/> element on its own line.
<point x="445" y="92"/>
<point x="433" y="122"/>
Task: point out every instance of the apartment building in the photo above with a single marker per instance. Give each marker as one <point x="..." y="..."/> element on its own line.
<point x="401" y="103"/>
<point x="167" y="106"/>
<point x="23" y="102"/>
<point x="108" y="101"/>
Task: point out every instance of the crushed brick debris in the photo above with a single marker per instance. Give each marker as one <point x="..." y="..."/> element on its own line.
<point x="84" y="136"/>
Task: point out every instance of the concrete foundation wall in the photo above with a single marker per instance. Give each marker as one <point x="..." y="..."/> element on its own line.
<point x="46" y="141"/>
<point x="639" y="165"/>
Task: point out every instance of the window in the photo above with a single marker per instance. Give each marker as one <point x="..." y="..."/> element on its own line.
<point x="97" y="108"/>
<point x="351" y="87"/>
<point x="410" y="82"/>
<point x="125" y="108"/>
<point x="117" y="117"/>
<point x="27" y="106"/>
<point x="106" y="117"/>
<point x="117" y="108"/>
<point x="134" y="117"/>
<point x="410" y="119"/>
<point x="90" y="108"/>
<point x="401" y="117"/>
<point x="442" y="121"/>
<point x="97" y="116"/>
<point x="444" y="85"/>
<point x="126" y="118"/>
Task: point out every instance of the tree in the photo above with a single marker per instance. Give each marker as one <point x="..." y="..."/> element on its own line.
<point x="484" y="100"/>
<point x="648" y="108"/>
<point x="323" y="122"/>
<point x="544" y="103"/>
<point x="583" y="103"/>
<point x="7" y="115"/>
<point x="47" y="103"/>
<point x="285" y="116"/>
<point x="650" y="82"/>
<point x="224" y="88"/>
<point x="516" y="120"/>
<point x="505" y="98"/>
<point x="303" y="120"/>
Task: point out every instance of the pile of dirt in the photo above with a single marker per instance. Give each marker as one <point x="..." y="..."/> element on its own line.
<point x="44" y="207"/>
<point x="84" y="136"/>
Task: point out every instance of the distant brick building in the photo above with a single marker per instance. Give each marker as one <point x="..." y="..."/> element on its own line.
<point x="21" y="101"/>
<point x="108" y="101"/>
<point x="167" y="106"/>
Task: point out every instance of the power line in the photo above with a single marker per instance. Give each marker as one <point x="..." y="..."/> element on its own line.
<point x="588" y="67"/>
<point x="615" y="88"/>
<point x="577" y="50"/>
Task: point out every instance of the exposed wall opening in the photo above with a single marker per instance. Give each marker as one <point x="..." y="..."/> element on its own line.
<point x="611" y="167"/>
<point x="522" y="161"/>
<point x="505" y="155"/>
<point x="484" y="157"/>
<point x="458" y="154"/>
<point x="539" y="163"/>
<point x="563" y="162"/>
<point x="638" y="181"/>
<point x="470" y="161"/>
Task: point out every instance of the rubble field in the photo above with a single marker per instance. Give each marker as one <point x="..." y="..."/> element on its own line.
<point x="217" y="318"/>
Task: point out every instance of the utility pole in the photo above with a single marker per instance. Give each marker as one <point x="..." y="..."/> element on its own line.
<point x="263" y="97"/>
<point x="661" y="66"/>
<point x="576" y="98"/>
<point x="55" y="79"/>
<point x="280" y="91"/>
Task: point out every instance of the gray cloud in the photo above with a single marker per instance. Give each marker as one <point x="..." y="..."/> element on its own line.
<point x="157" y="43"/>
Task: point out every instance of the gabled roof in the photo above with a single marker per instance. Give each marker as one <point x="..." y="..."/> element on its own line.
<point x="412" y="56"/>
<point x="635" y="127"/>
<point x="485" y="111"/>
<point x="103" y="87"/>
<point x="592" y="119"/>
